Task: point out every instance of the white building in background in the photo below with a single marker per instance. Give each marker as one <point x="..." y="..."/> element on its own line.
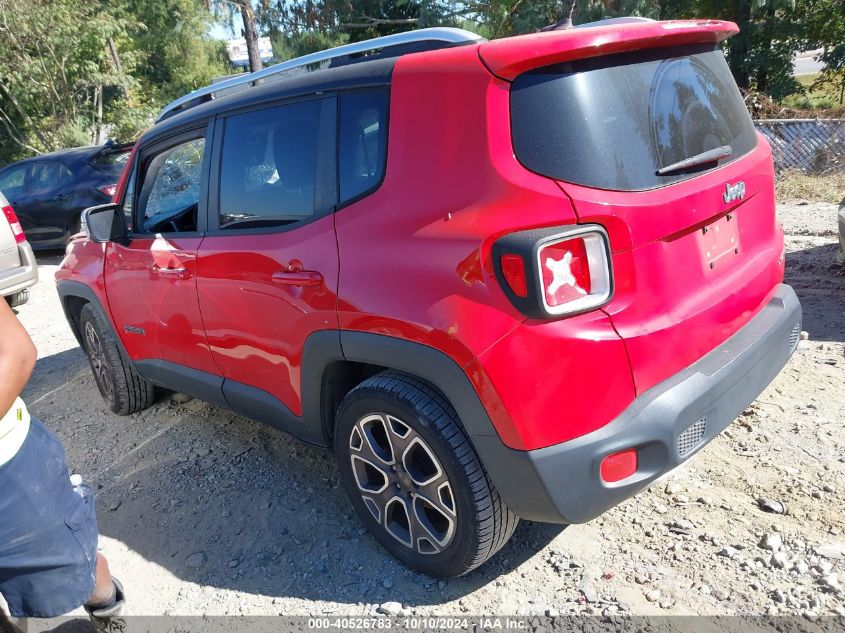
<point x="238" y="55"/>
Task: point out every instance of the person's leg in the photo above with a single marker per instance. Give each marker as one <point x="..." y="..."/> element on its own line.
<point x="104" y="589"/>
<point x="107" y="603"/>
<point x="49" y="564"/>
<point x="48" y="539"/>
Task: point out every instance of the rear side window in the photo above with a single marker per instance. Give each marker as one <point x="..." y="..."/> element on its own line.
<point x="362" y="147"/>
<point x="268" y="171"/>
<point x="48" y="175"/>
<point x="13" y="178"/>
<point x="612" y="122"/>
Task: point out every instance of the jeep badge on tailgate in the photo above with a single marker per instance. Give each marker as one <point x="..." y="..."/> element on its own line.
<point x="734" y="192"/>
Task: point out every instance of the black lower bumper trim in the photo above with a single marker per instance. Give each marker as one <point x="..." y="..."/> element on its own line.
<point x="561" y="483"/>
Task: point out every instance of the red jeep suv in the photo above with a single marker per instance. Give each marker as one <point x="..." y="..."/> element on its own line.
<point x="517" y="278"/>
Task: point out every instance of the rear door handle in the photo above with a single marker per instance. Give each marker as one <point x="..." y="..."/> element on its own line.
<point x="175" y="273"/>
<point x="297" y="278"/>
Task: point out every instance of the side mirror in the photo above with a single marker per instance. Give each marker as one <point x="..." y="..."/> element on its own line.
<point x="105" y="223"/>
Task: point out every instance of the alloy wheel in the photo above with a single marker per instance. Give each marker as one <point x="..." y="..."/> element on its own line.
<point x="99" y="362"/>
<point x="402" y="483"/>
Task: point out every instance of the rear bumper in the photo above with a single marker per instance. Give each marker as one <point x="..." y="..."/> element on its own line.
<point x="22" y="277"/>
<point x="561" y="483"/>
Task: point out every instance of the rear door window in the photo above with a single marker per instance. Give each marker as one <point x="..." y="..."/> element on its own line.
<point x="13" y="178"/>
<point x="47" y="175"/>
<point x="362" y="149"/>
<point x="268" y="170"/>
<point x="612" y="122"/>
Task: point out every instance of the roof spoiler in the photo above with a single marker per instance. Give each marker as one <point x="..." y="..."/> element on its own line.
<point x="110" y="147"/>
<point x="510" y="57"/>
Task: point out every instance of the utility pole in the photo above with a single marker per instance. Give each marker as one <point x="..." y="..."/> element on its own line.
<point x="250" y="34"/>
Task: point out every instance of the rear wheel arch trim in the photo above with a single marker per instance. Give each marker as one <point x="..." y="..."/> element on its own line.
<point x="326" y="347"/>
<point x="510" y="470"/>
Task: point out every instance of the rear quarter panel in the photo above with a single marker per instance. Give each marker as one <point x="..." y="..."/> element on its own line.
<point x="416" y="255"/>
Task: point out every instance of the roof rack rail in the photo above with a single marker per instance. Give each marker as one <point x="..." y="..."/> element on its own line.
<point x="444" y="35"/>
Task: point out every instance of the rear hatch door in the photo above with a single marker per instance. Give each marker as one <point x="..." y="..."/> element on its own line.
<point x="696" y="248"/>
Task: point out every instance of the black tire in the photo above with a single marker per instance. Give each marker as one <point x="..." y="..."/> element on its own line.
<point x="18" y="299"/>
<point x="481" y="523"/>
<point x="121" y="386"/>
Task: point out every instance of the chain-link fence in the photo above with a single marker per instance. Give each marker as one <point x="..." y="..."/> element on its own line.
<point x="815" y="146"/>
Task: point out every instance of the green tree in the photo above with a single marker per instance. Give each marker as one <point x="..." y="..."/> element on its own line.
<point x="168" y="43"/>
<point x="73" y="70"/>
<point x="760" y="55"/>
<point x="54" y="70"/>
<point x="824" y="22"/>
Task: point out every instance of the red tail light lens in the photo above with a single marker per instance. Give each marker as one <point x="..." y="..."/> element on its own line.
<point x="619" y="466"/>
<point x="12" y="219"/>
<point x="513" y="270"/>
<point x="574" y="272"/>
<point x="553" y="272"/>
<point x="108" y="190"/>
<point x="565" y="268"/>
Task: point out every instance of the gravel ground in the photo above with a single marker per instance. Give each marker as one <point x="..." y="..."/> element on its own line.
<point x="205" y="512"/>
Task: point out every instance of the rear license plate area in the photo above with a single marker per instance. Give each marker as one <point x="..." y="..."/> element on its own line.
<point x="719" y="241"/>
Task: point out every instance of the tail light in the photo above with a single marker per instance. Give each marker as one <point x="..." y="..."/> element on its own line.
<point x="553" y="272"/>
<point x="513" y="270"/>
<point x="108" y="190"/>
<point x="12" y="219"/>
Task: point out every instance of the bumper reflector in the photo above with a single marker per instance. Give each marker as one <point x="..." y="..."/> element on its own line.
<point x="619" y="466"/>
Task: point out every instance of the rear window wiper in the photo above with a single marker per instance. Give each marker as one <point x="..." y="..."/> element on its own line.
<point x="709" y="156"/>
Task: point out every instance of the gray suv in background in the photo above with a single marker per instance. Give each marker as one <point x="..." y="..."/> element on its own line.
<point x="18" y="270"/>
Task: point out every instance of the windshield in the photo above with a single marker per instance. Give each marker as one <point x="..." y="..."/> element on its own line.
<point x="613" y="122"/>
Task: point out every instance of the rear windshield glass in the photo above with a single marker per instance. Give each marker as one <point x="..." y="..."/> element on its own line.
<point x="612" y="122"/>
<point x="110" y="163"/>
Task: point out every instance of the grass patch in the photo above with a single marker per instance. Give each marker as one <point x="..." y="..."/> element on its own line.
<point x="821" y="98"/>
<point x="796" y="185"/>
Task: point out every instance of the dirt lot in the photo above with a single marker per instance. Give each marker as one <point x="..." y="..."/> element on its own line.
<point x="205" y="512"/>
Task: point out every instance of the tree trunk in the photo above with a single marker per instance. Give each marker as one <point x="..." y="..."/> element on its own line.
<point x="250" y="35"/>
<point x="98" y="115"/>
<point x="118" y="67"/>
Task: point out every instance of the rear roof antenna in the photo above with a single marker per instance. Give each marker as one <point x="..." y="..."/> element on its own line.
<point x="564" y="24"/>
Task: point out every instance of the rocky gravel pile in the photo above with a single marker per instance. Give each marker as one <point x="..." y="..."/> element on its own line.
<point x="205" y="512"/>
